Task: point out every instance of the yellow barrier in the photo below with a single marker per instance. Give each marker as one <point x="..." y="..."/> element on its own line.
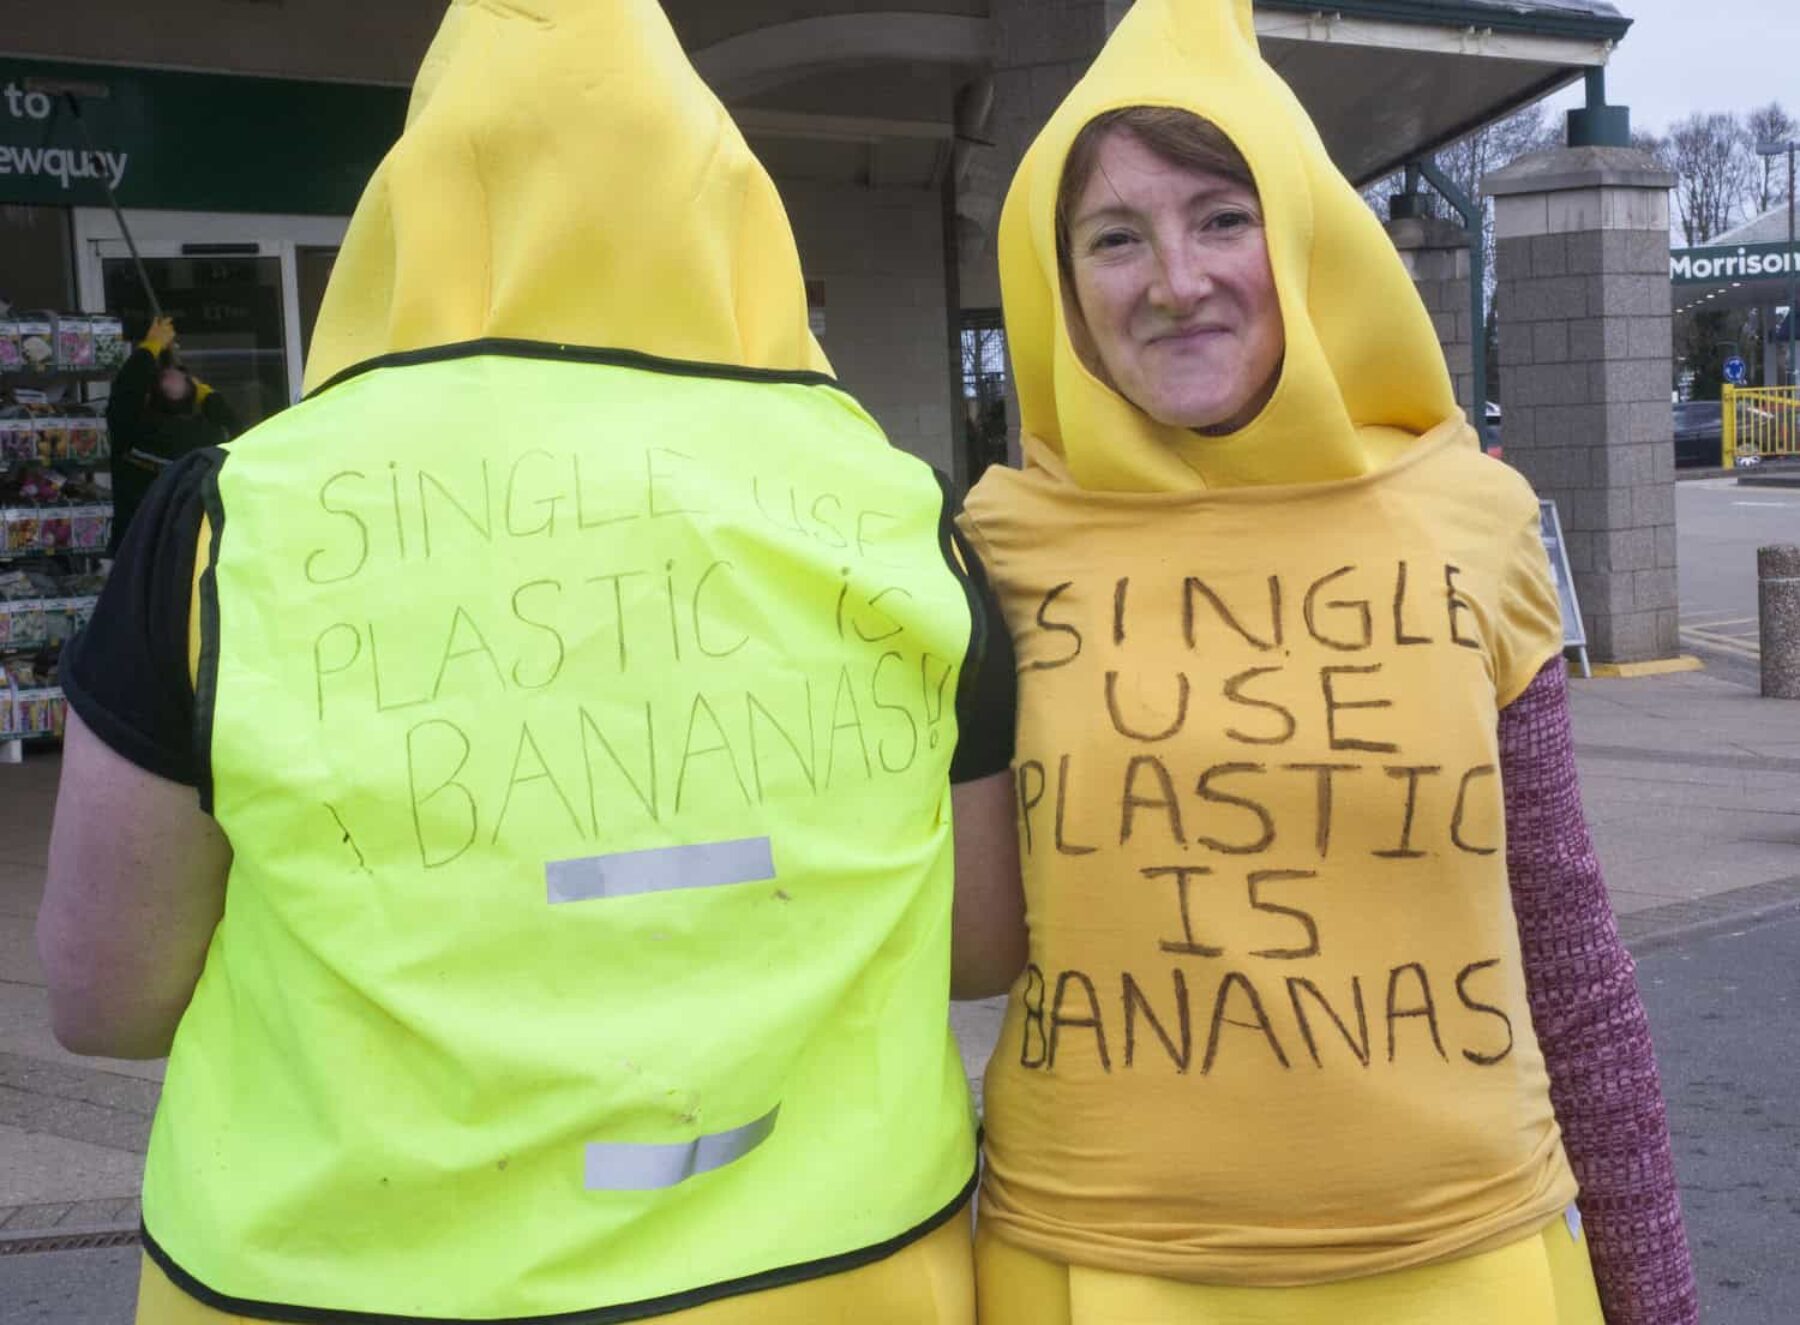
<point x="1760" y="421"/>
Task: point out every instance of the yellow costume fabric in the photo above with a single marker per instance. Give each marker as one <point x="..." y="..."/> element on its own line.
<point x="1364" y="373"/>
<point x="1274" y="1030"/>
<point x="927" y="1283"/>
<point x="1541" y="1280"/>
<point x="565" y="176"/>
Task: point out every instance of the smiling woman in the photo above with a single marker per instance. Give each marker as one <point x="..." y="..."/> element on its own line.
<point x="1324" y="1017"/>
<point x="1161" y="246"/>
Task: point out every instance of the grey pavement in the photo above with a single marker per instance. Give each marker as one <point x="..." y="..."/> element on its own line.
<point x="1692" y="785"/>
<point x="1726" y="1012"/>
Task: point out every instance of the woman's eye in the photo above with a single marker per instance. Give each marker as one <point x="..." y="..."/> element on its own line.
<point x="1111" y="240"/>
<point x="1230" y="222"/>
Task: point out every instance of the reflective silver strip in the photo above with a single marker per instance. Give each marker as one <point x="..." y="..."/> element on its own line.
<point x="145" y="460"/>
<point x="616" y="1166"/>
<point x="664" y="869"/>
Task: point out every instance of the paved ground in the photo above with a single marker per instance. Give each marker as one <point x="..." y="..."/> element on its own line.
<point x="70" y="1287"/>
<point x="1725" y="1000"/>
<point x="1722" y="523"/>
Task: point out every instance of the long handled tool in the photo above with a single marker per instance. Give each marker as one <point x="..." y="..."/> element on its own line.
<point x="72" y="90"/>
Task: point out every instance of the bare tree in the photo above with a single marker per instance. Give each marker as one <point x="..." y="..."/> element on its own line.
<point x="1469" y="161"/>
<point x="1498" y="145"/>
<point x="1771" y="124"/>
<point x="1715" y="165"/>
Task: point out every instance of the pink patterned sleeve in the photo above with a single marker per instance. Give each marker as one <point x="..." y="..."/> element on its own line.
<point x="1590" y="1021"/>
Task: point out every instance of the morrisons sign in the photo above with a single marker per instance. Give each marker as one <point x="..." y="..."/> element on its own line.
<point x="1743" y="262"/>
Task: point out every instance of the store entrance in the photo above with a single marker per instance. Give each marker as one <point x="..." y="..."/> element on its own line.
<point x="227" y="310"/>
<point x="243" y="291"/>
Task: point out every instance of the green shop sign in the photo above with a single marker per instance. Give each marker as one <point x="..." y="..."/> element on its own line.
<point x="193" y="142"/>
<point x="1739" y="262"/>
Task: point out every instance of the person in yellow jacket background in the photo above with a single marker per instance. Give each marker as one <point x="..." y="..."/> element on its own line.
<point x="1325" y="1017"/>
<point x="585" y="707"/>
<point x="156" y="413"/>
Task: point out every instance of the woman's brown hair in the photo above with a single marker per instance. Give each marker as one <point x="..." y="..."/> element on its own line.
<point x="1177" y="136"/>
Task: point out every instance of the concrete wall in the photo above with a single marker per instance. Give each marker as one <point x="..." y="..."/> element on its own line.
<point x="880" y="254"/>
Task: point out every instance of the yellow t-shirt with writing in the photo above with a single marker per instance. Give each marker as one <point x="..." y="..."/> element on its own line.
<point x="1274" y="1027"/>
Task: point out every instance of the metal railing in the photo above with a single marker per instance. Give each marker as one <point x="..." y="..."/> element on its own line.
<point x="1763" y="422"/>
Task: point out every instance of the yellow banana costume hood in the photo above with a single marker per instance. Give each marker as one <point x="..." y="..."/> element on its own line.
<point x="565" y="176"/>
<point x="1364" y="375"/>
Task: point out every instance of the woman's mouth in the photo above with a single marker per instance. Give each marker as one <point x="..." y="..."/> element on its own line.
<point x="1188" y="335"/>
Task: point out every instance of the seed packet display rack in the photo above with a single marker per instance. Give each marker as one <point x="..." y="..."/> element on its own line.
<point x="54" y="518"/>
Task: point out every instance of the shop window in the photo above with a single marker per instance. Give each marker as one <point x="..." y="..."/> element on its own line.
<point x="35" y="266"/>
<point x="312" y="269"/>
<point x="228" y="314"/>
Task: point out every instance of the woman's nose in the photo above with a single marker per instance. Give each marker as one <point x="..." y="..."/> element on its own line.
<point x="1183" y="278"/>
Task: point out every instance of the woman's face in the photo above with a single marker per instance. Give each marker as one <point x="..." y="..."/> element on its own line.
<point x="1175" y="292"/>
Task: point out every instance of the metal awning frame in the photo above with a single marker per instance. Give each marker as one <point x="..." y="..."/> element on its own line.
<point x="1470" y="14"/>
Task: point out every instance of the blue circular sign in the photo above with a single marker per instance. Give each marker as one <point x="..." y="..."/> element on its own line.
<point x="1734" y="370"/>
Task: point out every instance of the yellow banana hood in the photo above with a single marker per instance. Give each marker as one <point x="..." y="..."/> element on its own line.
<point x="1364" y="375"/>
<point x="565" y="176"/>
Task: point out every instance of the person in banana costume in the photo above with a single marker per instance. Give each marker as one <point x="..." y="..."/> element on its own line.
<point x="588" y="709"/>
<point x="1325" y="1016"/>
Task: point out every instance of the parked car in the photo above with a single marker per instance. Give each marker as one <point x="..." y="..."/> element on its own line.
<point x="1699" y="435"/>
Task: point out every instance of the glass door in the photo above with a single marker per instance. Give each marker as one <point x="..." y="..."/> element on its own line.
<point x="243" y="290"/>
<point x="230" y="322"/>
<point x="313" y="265"/>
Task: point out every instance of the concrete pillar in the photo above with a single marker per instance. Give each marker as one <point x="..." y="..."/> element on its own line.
<point x="1437" y="256"/>
<point x="1778" y="604"/>
<point x="1766" y="321"/>
<point x="1582" y="238"/>
<point x="1040" y="52"/>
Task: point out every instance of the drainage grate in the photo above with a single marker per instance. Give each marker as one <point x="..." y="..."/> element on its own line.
<point x="93" y="1239"/>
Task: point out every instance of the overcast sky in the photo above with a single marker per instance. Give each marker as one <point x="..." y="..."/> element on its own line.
<point x="1683" y="56"/>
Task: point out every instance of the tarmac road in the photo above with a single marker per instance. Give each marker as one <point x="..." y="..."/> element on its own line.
<point x="1726" y="1011"/>
<point x="69" y="1287"/>
<point x="1722" y="525"/>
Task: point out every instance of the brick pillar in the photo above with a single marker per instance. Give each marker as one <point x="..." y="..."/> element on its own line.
<point x="1585" y="351"/>
<point x="1437" y="256"/>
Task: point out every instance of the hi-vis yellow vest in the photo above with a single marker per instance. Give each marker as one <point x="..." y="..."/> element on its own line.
<point x="581" y="726"/>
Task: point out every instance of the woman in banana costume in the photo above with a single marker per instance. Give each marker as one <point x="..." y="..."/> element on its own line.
<point x="1325" y="1018"/>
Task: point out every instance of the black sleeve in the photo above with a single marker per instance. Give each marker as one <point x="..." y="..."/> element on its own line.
<point x="986" y="700"/>
<point x="129" y="387"/>
<point x="217" y="411"/>
<point x="126" y="672"/>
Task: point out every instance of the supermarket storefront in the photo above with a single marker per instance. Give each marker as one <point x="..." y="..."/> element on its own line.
<point x="237" y="191"/>
<point x="1754" y="267"/>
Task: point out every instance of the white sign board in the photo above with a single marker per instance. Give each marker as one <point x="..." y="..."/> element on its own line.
<point x="1574" y="633"/>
